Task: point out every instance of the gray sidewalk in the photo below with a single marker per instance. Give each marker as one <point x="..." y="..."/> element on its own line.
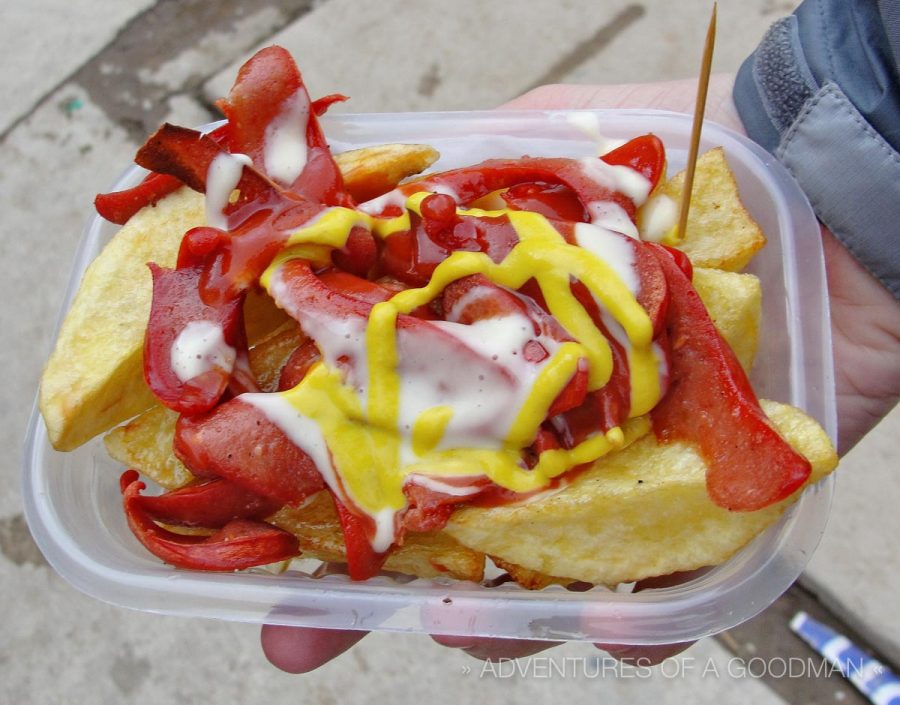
<point x="84" y="81"/>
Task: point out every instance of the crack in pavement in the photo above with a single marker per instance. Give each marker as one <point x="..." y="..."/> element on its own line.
<point x="590" y="46"/>
<point x="170" y="50"/>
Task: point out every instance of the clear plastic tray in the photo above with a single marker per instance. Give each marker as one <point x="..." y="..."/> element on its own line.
<point x="74" y="508"/>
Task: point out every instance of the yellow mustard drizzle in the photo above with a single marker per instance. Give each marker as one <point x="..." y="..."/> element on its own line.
<point x="429" y="428"/>
<point x="363" y="436"/>
<point x="365" y="455"/>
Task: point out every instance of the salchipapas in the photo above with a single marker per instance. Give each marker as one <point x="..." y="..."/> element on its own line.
<point x="475" y="337"/>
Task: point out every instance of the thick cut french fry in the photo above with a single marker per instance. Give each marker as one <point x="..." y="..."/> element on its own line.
<point x="318" y="530"/>
<point x="270" y="355"/>
<point x="734" y="302"/>
<point x="720" y="232"/>
<point x="145" y="444"/>
<point x="94" y="378"/>
<point x="641" y="512"/>
<point x="372" y="171"/>
<point x="261" y="315"/>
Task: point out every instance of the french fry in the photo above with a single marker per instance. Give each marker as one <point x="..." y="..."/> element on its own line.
<point x="270" y="355"/>
<point x="734" y="302"/>
<point x="318" y="530"/>
<point x="720" y="232"/>
<point x="372" y="171"/>
<point x="262" y="316"/>
<point x="640" y="512"/>
<point x="94" y="378"/>
<point x="145" y="444"/>
<point x="527" y="578"/>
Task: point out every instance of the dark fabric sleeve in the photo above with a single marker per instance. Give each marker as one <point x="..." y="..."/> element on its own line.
<point x="822" y="93"/>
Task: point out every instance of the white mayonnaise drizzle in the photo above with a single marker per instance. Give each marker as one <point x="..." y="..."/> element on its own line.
<point x="436" y="485"/>
<point x="200" y="347"/>
<point x="611" y="216"/>
<point x="285" y="152"/>
<point x="589" y="125"/>
<point x="302" y="431"/>
<point x="662" y="363"/>
<point x="658" y="217"/>
<point x="613" y="249"/>
<point x="614" y="327"/>
<point x="445" y="190"/>
<point x="337" y="339"/>
<point x="476" y="293"/>
<point x="617" y="178"/>
<point x="621" y="337"/>
<point x="385" y="529"/>
<point x="485" y="389"/>
<point x="222" y="179"/>
<point x="377" y="205"/>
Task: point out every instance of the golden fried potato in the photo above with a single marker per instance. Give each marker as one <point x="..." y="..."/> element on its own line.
<point x="720" y="232"/>
<point x="641" y="512"/>
<point x="145" y="444"/>
<point x="372" y="171"/>
<point x="734" y="302"/>
<point x="527" y="578"/>
<point x="272" y="352"/>
<point x="318" y="530"/>
<point x="94" y="378"/>
<point x="262" y="315"/>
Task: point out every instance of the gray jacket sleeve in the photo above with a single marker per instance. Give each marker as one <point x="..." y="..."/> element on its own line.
<point x="822" y="93"/>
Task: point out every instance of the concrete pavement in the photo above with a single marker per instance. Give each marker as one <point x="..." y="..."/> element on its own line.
<point x="84" y="80"/>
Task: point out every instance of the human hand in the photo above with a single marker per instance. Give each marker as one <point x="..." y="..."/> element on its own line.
<point x="865" y="320"/>
<point x="304" y="649"/>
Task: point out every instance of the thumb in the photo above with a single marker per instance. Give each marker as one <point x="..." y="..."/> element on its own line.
<point x="304" y="649"/>
<point x="678" y="96"/>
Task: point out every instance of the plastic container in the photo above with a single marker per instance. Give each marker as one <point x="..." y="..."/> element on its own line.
<point x="74" y="508"/>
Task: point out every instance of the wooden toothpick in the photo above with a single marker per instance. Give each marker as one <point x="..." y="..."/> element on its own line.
<point x="699" y="108"/>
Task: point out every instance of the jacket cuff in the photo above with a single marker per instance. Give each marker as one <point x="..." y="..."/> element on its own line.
<point x="849" y="172"/>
